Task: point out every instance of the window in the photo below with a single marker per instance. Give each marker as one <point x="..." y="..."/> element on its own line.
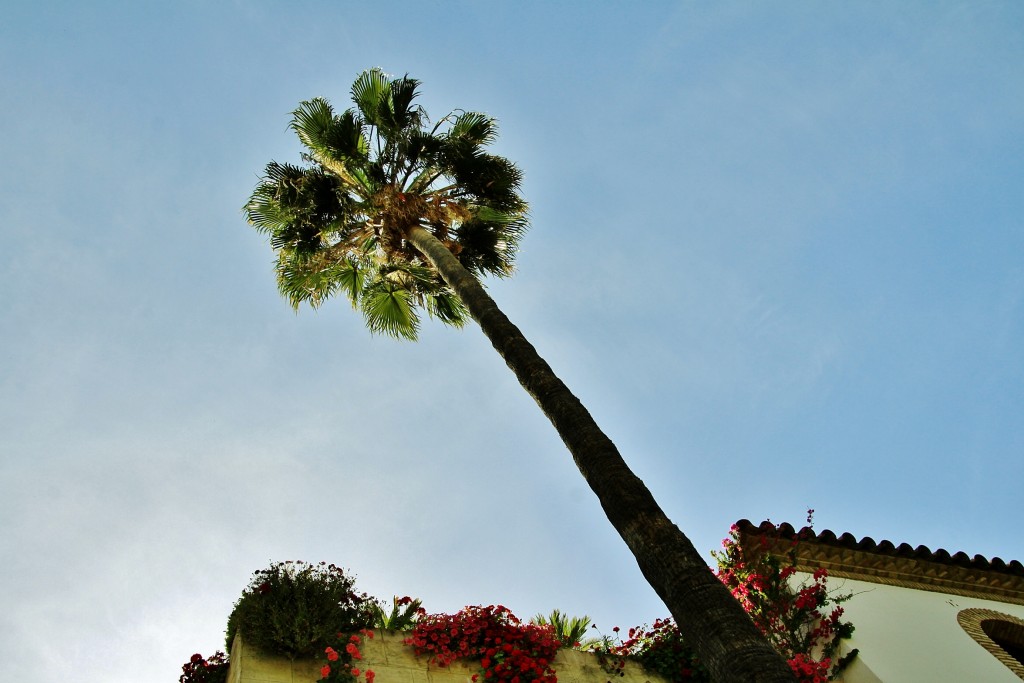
<point x="1001" y="634"/>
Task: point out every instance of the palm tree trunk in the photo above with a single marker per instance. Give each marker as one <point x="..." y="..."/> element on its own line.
<point x="710" y="619"/>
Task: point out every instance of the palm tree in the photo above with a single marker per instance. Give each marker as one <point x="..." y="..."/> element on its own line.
<point x="403" y="216"/>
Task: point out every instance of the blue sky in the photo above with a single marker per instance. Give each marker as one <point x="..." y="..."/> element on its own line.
<point x="776" y="250"/>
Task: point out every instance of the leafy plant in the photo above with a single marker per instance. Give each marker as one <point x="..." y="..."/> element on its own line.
<point x="199" y="669"/>
<point x="294" y="608"/>
<point x="660" y="649"/>
<point x="570" y="631"/>
<point x="403" y="615"/>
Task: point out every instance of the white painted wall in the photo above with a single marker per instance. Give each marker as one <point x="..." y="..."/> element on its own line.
<point x="912" y="636"/>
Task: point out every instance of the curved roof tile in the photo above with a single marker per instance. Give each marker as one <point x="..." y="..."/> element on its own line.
<point x="885" y="562"/>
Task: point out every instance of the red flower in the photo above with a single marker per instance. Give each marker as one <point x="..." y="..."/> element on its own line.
<point x="332" y="655"/>
<point x="325" y="671"/>
<point x="369" y="676"/>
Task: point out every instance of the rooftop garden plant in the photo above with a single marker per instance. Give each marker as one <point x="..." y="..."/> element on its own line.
<point x="803" y="621"/>
<point x="570" y="631"/>
<point x="507" y="649"/>
<point x="199" y="669"/>
<point x="296" y="609"/>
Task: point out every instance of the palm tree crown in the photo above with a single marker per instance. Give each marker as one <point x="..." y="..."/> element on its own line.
<point x="340" y="221"/>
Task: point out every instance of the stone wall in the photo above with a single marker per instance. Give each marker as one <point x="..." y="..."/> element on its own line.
<point x="394" y="662"/>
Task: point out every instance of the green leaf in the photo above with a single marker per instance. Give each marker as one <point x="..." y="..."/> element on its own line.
<point x="403" y="114"/>
<point x="389" y="311"/>
<point x="474" y="127"/>
<point x="447" y="307"/>
<point x="349" y="278"/>
<point x="372" y="93"/>
<point x="312" y="122"/>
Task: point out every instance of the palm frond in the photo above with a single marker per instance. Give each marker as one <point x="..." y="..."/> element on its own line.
<point x="350" y="278"/>
<point x="329" y="134"/>
<point x="372" y="94"/>
<point x="388" y="310"/>
<point x="336" y="142"/>
<point x="474" y="127"/>
<point x="490" y="241"/>
<point x="301" y="280"/>
<point x="447" y="307"/>
<point x="404" y="115"/>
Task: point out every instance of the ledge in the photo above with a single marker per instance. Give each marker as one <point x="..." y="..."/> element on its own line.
<point x="394" y="662"/>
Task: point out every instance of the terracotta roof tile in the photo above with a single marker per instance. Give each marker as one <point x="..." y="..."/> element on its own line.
<point x="903" y="565"/>
<point x="885" y="547"/>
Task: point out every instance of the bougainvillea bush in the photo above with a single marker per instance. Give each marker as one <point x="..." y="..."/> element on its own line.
<point x="199" y="669"/>
<point x="344" y="659"/>
<point x="803" y="622"/>
<point x="659" y="648"/>
<point x="507" y="649"/>
<point x="297" y="609"/>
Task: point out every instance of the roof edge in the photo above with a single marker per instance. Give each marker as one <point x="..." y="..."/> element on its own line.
<point x="890" y="564"/>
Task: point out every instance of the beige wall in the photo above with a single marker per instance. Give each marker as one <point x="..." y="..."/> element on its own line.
<point x="393" y="662"/>
<point x="906" y="635"/>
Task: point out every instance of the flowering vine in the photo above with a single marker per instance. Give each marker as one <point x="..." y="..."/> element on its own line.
<point x="507" y="649"/>
<point x="803" y="622"/>
<point x="343" y="662"/>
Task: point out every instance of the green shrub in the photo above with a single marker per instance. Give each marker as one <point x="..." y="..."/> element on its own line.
<point x="570" y="631"/>
<point x="294" y="608"/>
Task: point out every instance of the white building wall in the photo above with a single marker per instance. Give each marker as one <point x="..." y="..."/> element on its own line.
<point x="909" y="636"/>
